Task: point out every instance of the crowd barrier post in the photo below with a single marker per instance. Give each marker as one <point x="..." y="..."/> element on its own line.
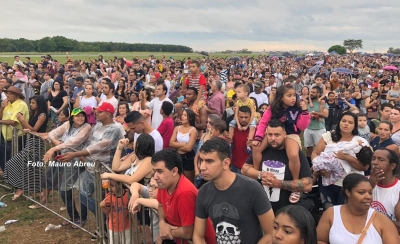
<point x="44" y="179"/>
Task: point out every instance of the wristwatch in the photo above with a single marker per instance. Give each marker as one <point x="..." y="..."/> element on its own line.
<point x="259" y="175"/>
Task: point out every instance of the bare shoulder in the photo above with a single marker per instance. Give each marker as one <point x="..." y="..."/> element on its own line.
<point x="381" y="221"/>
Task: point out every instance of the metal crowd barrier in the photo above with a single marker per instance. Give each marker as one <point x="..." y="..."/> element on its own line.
<point x="47" y="184"/>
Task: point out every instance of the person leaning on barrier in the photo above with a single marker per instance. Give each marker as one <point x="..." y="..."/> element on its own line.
<point x="145" y="196"/>
<point x="70" y="135"/>
<point x="177" y="200"/>
<point x="9" y="109"/>
<point x="18" y="171"/>
<point x="103" y="139"/>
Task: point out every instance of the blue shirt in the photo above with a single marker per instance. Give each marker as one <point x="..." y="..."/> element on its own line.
<point x="344" y="106"/>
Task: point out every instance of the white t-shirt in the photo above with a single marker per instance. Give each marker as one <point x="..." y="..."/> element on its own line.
<point x="155" y="105"/>
<point x="116" y="85"/>
<point x="3" y="96"/>
<point x="113" y="101"/>
<point x="261" y="98"/>
<point x="168" y="84"/>
<point x="158" y="140"/>
<point x="91" y="101"/>
<point x="386" y="199"/>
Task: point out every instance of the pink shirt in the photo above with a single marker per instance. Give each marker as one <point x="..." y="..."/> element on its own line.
<point x="217" y="102"/>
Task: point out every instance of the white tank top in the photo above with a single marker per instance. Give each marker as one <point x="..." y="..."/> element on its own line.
<point x="386" y="199"/>
<point x="183" y="137"/>
<point x="338" y="234"/>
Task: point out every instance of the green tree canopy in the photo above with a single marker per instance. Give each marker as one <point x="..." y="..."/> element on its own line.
<point x="352" y="44"/>
<point x="394" y="50"/>
<point x="338" y="48"/>
<point x="63" y="44"/>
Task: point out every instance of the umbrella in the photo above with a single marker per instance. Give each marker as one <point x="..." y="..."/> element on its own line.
<point x="334" y="52"/>
<point x="234" y="59"/>
<point x="390" y="55"/>
<point x="390" y="68"/>
<point x="343" y="70"/>
<point x="321" y="62"/>
<point x="316" y="69"/>
<point x="286" y="54"/>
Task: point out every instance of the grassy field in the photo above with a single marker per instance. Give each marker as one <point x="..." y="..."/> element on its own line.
<point x="32" y="222"/>
<point x="61" y="57"/>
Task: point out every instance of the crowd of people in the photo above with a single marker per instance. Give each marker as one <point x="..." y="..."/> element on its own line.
<point x="216" y="150"/>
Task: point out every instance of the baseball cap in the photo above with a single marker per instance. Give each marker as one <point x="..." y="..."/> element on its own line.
<point x="257" y="84"/>
<point x="105" y="107"/>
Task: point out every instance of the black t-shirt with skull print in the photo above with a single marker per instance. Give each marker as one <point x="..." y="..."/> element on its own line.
<point x="234" y="211"/>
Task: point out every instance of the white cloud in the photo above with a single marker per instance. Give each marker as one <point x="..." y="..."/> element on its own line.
<point x="209" y="24"/>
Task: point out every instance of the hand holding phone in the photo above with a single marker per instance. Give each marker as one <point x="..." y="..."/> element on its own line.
<point x="58" y="157"/>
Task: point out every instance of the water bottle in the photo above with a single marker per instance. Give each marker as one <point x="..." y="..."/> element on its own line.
<point x="3" y="205"/>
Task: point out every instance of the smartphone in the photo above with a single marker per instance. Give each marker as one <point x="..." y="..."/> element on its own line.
<point x="186" y="71"/>
<point x="58" y="157"/>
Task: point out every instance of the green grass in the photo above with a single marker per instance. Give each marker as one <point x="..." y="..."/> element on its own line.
<point x="61" y="57"/>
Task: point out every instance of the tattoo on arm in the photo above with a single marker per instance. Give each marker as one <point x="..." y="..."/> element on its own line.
<point x="296" y="185"/>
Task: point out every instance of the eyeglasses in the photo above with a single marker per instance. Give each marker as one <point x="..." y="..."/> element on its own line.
<point x="152" y="187"/>
<point x="209" y="122"/>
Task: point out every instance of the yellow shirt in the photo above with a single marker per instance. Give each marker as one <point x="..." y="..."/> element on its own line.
<point x="10" y="113"/>
<point x="229" y="95"/>
<point x="249" y="103"/>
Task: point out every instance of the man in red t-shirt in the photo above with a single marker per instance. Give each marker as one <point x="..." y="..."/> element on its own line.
<point x="166" y="127"/>
<point x="240" y="140"/>
<point x="177" y="200"/>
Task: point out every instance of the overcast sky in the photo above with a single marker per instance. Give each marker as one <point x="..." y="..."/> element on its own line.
<point x="209" y="24"/>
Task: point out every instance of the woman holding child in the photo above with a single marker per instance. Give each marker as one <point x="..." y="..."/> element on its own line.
<point x="345" y="133"/>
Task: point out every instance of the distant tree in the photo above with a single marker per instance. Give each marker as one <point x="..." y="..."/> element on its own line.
<point x="394" y="50"/>
<point x="338" y="48"/>
<point x="62" y="44"/>
<point x="204" y="53"/>
<point x="46" y="45"/>
<point x="244" y="50"/>
<point x="352" y="44"/>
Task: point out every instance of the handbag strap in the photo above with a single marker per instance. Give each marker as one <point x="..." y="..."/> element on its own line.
<point x="365" y="230"/>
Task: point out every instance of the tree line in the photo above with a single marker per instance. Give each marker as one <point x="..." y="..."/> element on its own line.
<point x="63" y="44"/>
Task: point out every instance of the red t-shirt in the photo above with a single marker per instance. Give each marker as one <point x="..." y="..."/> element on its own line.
<point x="375" y="85"/>
<point x="179" y="208"/>
<point x="239" y="154"/>
<point x="157" y="75"/>
<point x="166" y="128"/>
<point x="196" y="82"/>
